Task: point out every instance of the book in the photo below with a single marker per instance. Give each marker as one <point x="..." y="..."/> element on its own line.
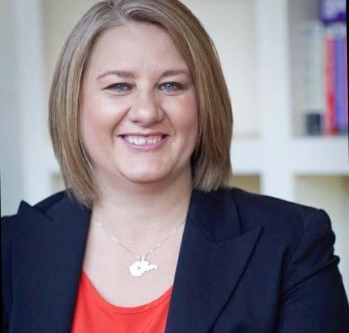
<point x="313" y="101"/>
<point x="339" y="33"/>
<point x="345" y="73"/>
<point x="331" y="11"/>
<point x="330" y="72"/>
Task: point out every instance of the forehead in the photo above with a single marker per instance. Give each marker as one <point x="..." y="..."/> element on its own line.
<point x="135" y="45"/>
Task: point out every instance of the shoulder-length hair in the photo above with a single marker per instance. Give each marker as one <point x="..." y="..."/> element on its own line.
<point x="210" y="161"/>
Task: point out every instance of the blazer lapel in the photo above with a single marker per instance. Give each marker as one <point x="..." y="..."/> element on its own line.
<point x="213" y="257"/>
<point x="53" y="247"/>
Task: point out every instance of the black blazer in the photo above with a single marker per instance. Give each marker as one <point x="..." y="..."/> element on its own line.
<point x="247" y="264"/>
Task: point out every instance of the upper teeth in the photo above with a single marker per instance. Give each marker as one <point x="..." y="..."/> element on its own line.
<point x="139" y="140"/>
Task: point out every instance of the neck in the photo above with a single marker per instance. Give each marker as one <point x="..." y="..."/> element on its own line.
<point x="138" y="209"/>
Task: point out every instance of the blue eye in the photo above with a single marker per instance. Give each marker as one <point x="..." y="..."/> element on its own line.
<point x="119" y="87"/>
<point x="170" y="86"/>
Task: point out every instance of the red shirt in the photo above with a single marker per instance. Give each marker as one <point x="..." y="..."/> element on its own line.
<point x="93" y="314"/>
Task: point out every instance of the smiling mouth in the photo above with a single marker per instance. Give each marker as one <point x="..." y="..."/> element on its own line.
<point x="143" y="140"/>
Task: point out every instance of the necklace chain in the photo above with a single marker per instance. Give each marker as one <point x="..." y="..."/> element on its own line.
<point x="139" y="257"/>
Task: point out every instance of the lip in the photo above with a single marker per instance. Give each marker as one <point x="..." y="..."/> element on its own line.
<point x="146" y="146"/>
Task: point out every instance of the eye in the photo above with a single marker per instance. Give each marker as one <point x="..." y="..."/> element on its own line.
<point x="119" y="87"/>
<point x="170" y="86"/>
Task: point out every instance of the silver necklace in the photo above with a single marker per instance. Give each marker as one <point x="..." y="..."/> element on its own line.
<point x="140" y="266"/>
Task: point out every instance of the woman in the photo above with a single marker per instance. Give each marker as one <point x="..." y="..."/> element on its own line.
<point x="148" y="237"/>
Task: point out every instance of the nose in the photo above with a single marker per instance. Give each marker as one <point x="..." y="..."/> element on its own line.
<point x="146" y="110"/>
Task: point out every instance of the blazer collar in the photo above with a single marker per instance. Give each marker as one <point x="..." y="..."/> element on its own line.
<point x="213" y="256"/>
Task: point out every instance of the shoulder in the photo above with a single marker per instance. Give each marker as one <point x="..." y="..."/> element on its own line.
<point x="9" y="224"/>
<point x="270" y="211"/>
<point x="283" y="222"/>
<point x="236" y="212"/>
<point x="266" y="203"/>
<point x="43" y="205"/>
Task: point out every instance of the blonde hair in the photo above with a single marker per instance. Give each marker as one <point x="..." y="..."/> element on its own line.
<point x="211" y="166"/>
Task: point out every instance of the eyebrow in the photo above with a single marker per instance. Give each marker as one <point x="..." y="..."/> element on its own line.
<point x="121" y="74"/>
<point x="130" y="75"/>
<point x="174" y="72"/>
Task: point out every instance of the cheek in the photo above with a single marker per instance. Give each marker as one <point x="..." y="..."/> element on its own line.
<point x="189" y="118"/>
<point x="91" y="124"/>
<point x="99" y="117"/>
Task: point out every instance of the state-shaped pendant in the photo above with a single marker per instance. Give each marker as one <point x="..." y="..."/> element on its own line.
<point x="141" y="266"/>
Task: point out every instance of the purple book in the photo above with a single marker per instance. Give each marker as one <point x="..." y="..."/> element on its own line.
<point x="339" y="33"/>
<point x="339" y="84"/>
<point x="333" y="11"/>
<point x="345" y="72"/>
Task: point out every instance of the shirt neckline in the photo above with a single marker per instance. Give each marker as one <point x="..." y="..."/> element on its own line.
<point x="86" y="282"/>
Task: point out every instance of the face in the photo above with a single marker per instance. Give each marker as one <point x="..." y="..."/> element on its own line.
<point x="139" y="119"/>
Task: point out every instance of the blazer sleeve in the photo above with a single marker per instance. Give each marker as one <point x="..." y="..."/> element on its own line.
<point x="6" y="294"/>
<point x="4" y="320"/>
<point x="313" y="297"/>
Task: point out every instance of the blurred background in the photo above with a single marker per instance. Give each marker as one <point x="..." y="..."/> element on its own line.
<point x="285" y="64"/>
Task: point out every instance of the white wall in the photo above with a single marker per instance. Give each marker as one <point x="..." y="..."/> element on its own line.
<point x="10" y="161"/>
<point x="25" y="147"/>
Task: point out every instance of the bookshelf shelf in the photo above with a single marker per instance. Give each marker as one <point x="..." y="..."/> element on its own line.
<point x="323" y="155"/>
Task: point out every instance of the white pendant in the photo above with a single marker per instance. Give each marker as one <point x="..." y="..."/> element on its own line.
<point x="141" y="266"/>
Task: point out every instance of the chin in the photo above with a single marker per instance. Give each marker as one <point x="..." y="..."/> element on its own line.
<point x="155" y="174"/>
<point x="145" y="177"/>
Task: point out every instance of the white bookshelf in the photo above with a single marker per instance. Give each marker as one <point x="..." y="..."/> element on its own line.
<point x="259" y="45"/>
